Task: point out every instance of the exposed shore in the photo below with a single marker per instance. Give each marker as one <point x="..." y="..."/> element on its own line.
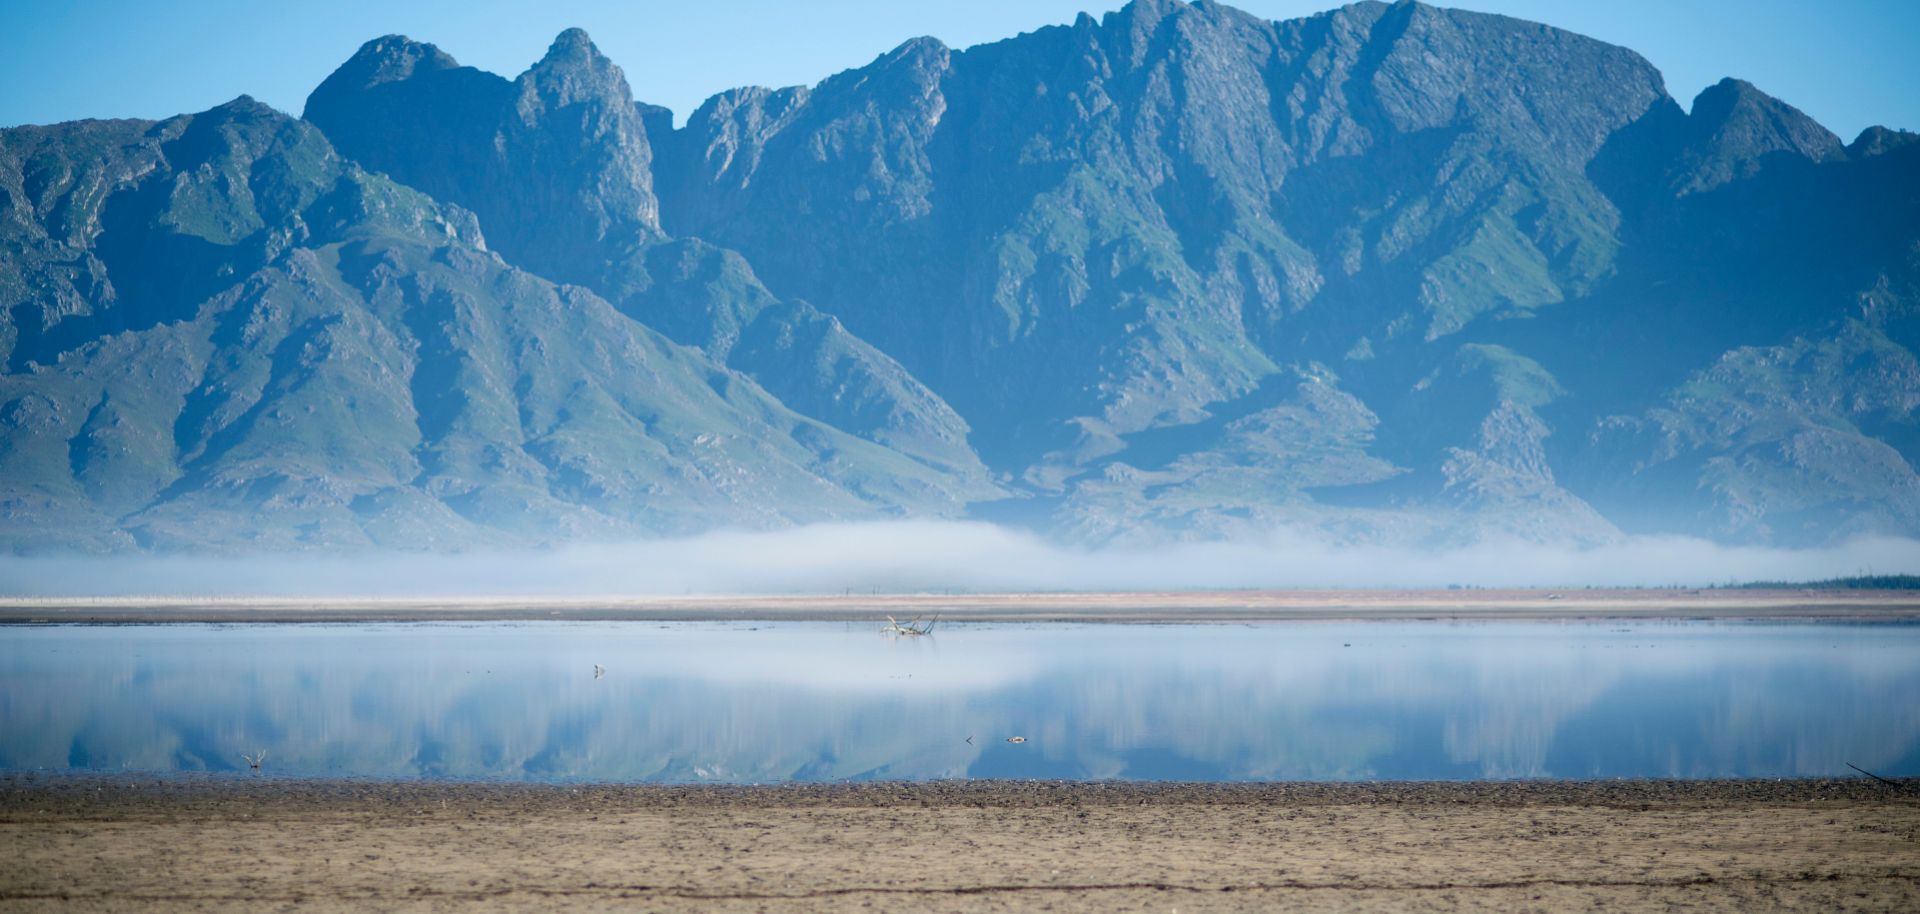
<point x="1135" y="607"/>
<point x="98" y="843"/>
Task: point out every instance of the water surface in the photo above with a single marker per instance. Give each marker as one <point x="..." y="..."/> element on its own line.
<point x="759" y="702"/>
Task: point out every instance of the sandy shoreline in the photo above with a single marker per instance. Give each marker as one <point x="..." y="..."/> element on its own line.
<point x="102" y="843"/>
<point x="1134" y="607"/>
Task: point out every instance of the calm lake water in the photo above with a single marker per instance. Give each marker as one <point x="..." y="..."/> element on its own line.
<point x="757" y="702"/>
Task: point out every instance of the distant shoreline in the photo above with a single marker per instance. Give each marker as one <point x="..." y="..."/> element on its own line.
<point x="1144" y="607"/>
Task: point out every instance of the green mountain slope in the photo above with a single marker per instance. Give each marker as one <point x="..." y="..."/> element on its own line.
<point x="1391" y="273"/>
<point x="362" y="370"/>
<point x="1121" y="236"/>
<point x="557" y="165"/>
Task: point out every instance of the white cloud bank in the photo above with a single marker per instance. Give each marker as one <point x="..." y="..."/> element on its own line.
<point x="942" y="556"/>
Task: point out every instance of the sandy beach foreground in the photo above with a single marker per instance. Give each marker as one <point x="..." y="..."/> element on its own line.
<point x="98" y="844"/>
<point x="1121" y="607"/>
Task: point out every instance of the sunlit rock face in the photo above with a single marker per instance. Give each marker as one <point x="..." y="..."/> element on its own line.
<point x="559" y="163"/>
<point x="1502" y="241"/>
<point x="1388" y="274"/>
<point x="556" y="163"/>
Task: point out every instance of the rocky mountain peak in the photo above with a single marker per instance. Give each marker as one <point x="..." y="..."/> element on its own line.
<point x="1144" y="15"/>
<point x="245" y="128"/>
<point x="574" y="72"/>
<point x="573" y="42"/>
<point x="246" y="107"/>
<point x="1877" y="140"/>
<point x="391" y="58"/>
<point x="1735" y="126"/>
<point x="1737" y="110"/>
<point x="575" y="107"/>
<point x="554" y="163"/>
<point x="1136" y="24"/>
<point x="918" y="52"/>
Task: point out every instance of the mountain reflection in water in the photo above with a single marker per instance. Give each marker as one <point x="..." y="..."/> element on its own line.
<point x="759" y="702"/>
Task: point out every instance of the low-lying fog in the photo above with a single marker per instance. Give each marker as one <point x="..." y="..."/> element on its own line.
<point x="923" y="556"/>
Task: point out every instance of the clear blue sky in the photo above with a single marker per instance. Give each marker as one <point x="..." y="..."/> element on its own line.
<point x="1849" y="63"/>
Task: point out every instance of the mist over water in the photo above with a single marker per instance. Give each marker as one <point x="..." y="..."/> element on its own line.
<point x="915" y="556"/>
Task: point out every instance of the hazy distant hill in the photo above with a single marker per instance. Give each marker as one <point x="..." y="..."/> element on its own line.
<point x="1390" y="273"/>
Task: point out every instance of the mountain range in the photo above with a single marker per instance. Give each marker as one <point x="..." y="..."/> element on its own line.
<point x="1388" y="274"/>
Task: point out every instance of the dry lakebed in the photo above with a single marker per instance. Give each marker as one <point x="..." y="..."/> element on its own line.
<point x="258" y="844"/>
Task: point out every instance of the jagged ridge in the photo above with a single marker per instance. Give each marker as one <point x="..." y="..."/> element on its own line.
<point x="1388" y="273"/>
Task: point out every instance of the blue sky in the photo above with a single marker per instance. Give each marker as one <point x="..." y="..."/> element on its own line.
<point x="1849" y="63"/>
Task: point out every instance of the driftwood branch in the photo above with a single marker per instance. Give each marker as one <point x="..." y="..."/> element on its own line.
<point x="1872" y="775"/>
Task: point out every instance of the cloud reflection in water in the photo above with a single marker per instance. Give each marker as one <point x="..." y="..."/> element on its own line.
<point x="829" y="701"/>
